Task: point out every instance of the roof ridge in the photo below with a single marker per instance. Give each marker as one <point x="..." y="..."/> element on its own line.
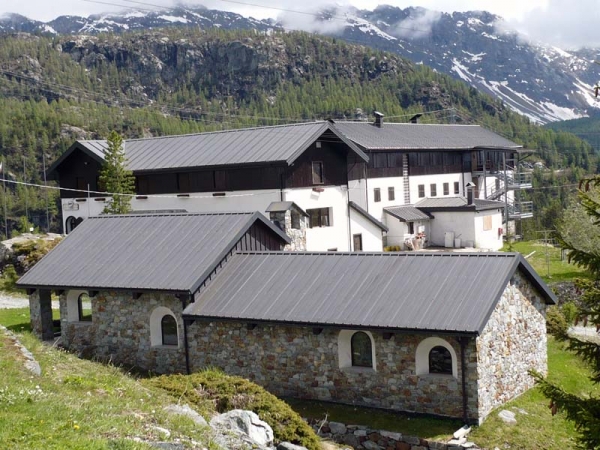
<point x="209" y="213"/>
<point x="386" y="254"/>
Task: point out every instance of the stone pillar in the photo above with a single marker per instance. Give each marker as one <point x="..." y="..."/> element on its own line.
<point x="40" y="308"/>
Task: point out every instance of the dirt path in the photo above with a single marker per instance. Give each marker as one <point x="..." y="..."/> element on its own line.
<point x="8" y="300"/>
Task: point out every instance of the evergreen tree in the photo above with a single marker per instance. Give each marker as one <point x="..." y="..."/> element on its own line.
<point x="584" y="410"/>
<point x="115" y="178"/>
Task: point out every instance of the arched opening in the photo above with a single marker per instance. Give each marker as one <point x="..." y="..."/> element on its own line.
<point x="164" y="329"/>
<point x="168" y="329"/>
<point x="360" y="345"/>
<point x="84" y="307"/>
<point x="356" y="349"/>
<point x="436" y="356"/>
<point x="440" y="360"/>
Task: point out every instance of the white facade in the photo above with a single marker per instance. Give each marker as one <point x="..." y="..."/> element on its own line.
<point x="370" y="233"/>
<point x="399" y="231"/>
<point x="477" y="228"/>
<point x="438" y="180"/>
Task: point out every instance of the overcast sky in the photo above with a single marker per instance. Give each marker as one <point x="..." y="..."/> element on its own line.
<point x="566" y="23"/>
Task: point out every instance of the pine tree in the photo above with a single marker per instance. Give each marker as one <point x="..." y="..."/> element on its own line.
<point x="584" y="411"/>
<point x="115" y="178"/>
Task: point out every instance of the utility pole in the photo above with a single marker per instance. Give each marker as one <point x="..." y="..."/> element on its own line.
<point x="546" y="245"/>
<point x="3" y="171"/>
<point x="26" y="190"/>
<point x="46" y="192"/>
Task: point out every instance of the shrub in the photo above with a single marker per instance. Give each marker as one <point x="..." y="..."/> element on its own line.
<point x="556" y="324"/>
<point x="227" y="392"/>
<point x="9" y="278"/>
<point x="30" y="252"/>
<point x="570" y="312"/>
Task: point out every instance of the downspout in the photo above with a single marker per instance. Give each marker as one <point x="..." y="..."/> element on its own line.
<point x="349" y="227"/>
<point x="282" y="186"/>
<point x="463" y="370"/>
<point x="186" y="347"/>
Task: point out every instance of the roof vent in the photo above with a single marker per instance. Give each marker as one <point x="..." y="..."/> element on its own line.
<point x="378" y="119"/>
<point x="415" y="118"/>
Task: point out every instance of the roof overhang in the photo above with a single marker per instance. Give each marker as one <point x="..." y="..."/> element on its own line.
<point x="368" y="216"/>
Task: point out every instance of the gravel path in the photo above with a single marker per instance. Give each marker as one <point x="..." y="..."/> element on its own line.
<point x="8" y="300"/>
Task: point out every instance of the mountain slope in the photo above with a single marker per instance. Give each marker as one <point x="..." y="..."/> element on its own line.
<point x="541" y="82"/>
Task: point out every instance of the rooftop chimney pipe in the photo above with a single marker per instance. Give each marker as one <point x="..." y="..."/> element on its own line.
<point x="415" y="118"/>
<point x="378" y="119"/>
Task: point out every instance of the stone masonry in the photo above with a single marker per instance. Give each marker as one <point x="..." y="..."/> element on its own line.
<point x="512" y="343"/>
<point x="120" y="331"/>
<point x="293" y="361"/>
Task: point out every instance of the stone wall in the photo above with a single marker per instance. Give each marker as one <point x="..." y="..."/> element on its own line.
<point x="298" y="236"/>
<point x="294" y="361"/>
<point x="120" y="331"/>
<point x="40" y="312"/>
<point x="512" y="343"/>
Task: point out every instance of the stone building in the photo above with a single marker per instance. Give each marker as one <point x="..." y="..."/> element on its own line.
<point x="449" y="334"/>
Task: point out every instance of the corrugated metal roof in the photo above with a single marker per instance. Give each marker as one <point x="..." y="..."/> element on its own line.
<point x="451" y="292"/>
<point x="459" y="203"/>
<point x="142" y="252"/>
<point x="406" y="213"/>
<point x="282" y="143"/>
<point x="405" y="136"/>
<point x="368" y="216"/>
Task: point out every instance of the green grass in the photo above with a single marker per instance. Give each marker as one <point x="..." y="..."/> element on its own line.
<point x="538" y="429"/>
<point x="423" y="427"/>
<point x="551" y="268"/>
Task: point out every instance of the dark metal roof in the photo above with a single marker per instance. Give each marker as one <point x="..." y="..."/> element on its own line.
<point x="368" y="216"/>
<point x="406" y="213"/>
<point x="284" y="206"/>
<point x="457" y="204"/>
<point x="166" y="252"/>
<point x="274" y="144"/>
<point x="446" y="292"/>
<point x="403" y="136"/>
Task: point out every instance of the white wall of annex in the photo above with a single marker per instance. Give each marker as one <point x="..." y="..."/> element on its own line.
<point x="490" y="239"/>
<point x="333" y="197"/>
<point x="438" y="180"/>
<point x="399" y="229"/>
<point x="357" y="192"/>
<point x="372" y="237"/>
<point x="462" y="223"/>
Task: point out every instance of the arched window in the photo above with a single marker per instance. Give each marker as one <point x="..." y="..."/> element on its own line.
<point x="362" y="354"/>
<point x="168" y="329"/>
<point x="440" y="360"/>
<point x="435" y="356"/>
<point x="84" y="308"/>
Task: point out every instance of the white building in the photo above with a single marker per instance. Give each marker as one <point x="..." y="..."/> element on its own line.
<point x="346" y="176"/>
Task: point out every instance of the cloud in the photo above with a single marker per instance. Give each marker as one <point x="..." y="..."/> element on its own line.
<point x="417" y="25"/>
<point x="567" y="24"/>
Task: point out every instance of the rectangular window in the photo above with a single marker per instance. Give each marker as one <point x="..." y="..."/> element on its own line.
<point x="456" y="187"/>
<point x="446" y="188"/>
<point x="317" y="172"/>
<point x="183" y="182"/>
<point x="379" y="160"/>
<point x="411" y="227"/>
<point x="421" y="190"/>
<point x="433" y="189"/>
<point x="391" y="193"/>
<point x="295" y="220"/>
<point x="487" y="223"/>
<point x="357" y="239"/>
<point x="278" y="218"/>
<point x="377" y="195"/>
<point x="319" y="217"/>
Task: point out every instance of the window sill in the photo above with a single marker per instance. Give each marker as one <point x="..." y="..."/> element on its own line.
<point x="356" y="369"/>
<point x="166" y="347"/>
<point x="437" y="376"/>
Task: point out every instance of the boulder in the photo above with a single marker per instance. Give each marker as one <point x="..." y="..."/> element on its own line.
<point x="337" y="428"/>
<point x="185" y="410"/>
<point x="290" y="446"/>
<point x="507" y="417"/>
<point x="246" y="425"/>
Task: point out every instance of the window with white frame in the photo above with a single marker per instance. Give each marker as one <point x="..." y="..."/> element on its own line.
<point x="356" y="349"/>
<point x="164" y="330"/>
<point x="435" y="356"/>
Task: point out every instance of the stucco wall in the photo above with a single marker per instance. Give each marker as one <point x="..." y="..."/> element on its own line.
<point x="372" y="236"/>
<point x="293" y="361"/>
<point x="462" y="223"/>
<point x="512" y="343"/>
<point x="489" y="239"/>
<point x="120" y="331"/>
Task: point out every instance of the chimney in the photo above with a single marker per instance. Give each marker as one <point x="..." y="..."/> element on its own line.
<point x="415" y="118"/>
<point x="378" y="119"/>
